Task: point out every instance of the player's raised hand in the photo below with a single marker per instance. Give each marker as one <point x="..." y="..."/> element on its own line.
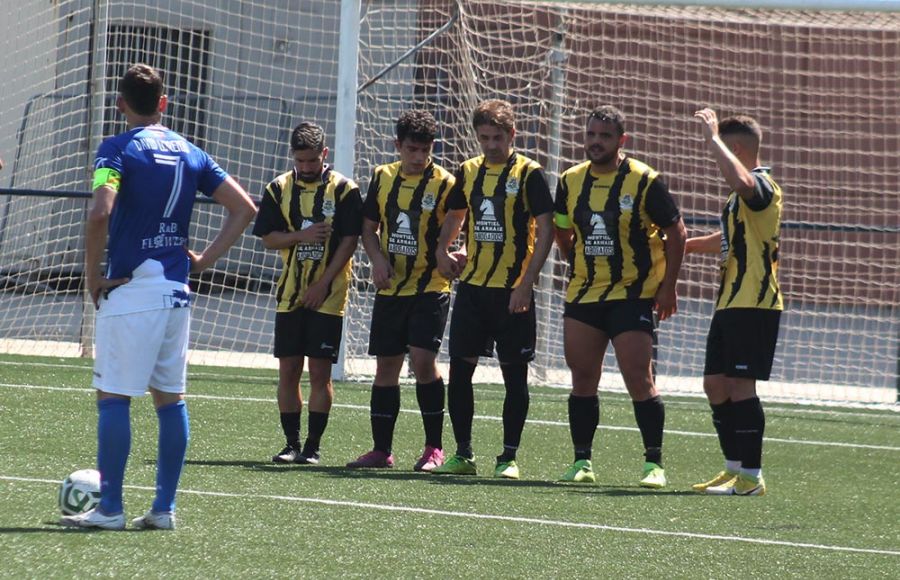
<point x="710" y="123"/>
<point x="97" y="285"/>
<point x="316" y="233"/>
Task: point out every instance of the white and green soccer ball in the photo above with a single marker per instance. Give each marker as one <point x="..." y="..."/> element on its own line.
<point x="79" y="492"/>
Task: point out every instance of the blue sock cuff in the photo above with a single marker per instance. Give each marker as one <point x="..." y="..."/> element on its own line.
<point x="169" y="407"/>
<point x="114" y="402"/>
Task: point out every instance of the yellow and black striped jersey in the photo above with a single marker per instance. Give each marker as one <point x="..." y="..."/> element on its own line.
<point x="617" y="253"/>
<point x="410" y="210"/>
<point x="750" y="236"/>
<point x="289" y="204"/>
<point x="502" y="201"/>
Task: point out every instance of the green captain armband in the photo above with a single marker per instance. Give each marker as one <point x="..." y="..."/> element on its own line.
<point x="107" y="177"/>
<point x="562" y="221"/>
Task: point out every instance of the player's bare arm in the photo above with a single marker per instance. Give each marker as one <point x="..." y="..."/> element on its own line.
<point x="666" y="296"/>
<point x="520" y="299"/>
<point x="96" y="231"/>
<point x="381" y="267"/>
<point x="240" y="211"/>
<point x="316" y="233"/>
<point x="565" y="240"/>
<point x="448" y="265"/>
<point x="736" y="175"/>
<point x="317" y="292"/>
<point x="709" y="244"/>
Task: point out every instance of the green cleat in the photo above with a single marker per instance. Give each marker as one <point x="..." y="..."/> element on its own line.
<point x="580" y="472"/>
<point x="456" y="465"/>
<point x="507" y="469"/>
<point x="654" y="476"/>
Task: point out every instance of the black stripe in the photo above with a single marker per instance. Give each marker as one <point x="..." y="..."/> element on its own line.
<point x="391" y="201"/>
<point x="476" y="186"/>
<point x="521" y="230"/>
<point x="767" y="266"/>
<point x="500" y="193"/>
<point x="432" y="232"/>
<point x="318" y="216"/>
<point x="415" y="202"/>
<point x="739" y="251"/>
<point x="615" y="261"/>
<point x="295" y="217"/>
<point x="583" y="206"/>
<point x="640" y="244"/>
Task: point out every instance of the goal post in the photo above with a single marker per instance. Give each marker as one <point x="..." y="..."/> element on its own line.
<point x="820" y="76"/>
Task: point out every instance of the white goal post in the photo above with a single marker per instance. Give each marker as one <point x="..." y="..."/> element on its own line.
<point x="821" y="76"/>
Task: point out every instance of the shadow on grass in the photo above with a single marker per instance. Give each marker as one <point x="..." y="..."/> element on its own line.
<point x="54" y="527"/>
<point x="625" y="491"/>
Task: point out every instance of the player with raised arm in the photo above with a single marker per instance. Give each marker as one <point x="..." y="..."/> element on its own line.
<point x="502" y="195"/>
<point x="145" y="182"/>
<point x="624" y="237"/>
<point x="404" y="209"/>
<point x="740" y="346"/>
<point x="313" y="216"/>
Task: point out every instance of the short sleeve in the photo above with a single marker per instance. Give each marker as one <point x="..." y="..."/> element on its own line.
<point x="349" y="214"/>
<point x="660" y="204"/>
<point x="538" y="193"/>
<point x="370" y="205"/>
<point x="269" y="217"/>
<point x="211" y="176"/>
<point x="457" y="197"/>
<point x="561" y="206"/>
<point x="764" y="192"/>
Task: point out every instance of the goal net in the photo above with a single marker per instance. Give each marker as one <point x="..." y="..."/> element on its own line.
<point x="241" y="75"/>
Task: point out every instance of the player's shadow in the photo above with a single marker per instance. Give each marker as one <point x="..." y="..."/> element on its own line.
<point x="624" y="491"/>
<point x="55" y="528"/>
<point x="246" y="464"/>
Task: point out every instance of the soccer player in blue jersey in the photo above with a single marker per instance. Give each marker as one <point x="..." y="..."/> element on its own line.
<point x="145" y="182"/>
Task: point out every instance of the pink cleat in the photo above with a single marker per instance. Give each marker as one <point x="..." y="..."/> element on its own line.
<point x="374" y="458"/>
<point x="432" y="457"/>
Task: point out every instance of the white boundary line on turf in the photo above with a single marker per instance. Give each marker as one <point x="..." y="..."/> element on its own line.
<point x="488" y="418"/>
<point x="513" y="519"/>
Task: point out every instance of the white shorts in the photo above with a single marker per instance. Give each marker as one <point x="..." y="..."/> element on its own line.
<point x="143" y="349"/>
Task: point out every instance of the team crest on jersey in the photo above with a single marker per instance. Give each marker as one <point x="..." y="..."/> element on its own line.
<point x="512" y="185"/>
<point x="428" y="202"/>
<point x="626" y="203"/>
<point x="328" y="208"/>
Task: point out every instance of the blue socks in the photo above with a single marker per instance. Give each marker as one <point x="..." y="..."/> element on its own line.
<point x="113" y="446"/>
<point x="174" y="433"/>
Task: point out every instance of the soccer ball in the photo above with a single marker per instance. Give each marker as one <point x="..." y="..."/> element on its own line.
<point x="79" y="492"/>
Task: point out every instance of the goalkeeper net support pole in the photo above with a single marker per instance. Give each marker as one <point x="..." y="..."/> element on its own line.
<point x="821" y="77"/>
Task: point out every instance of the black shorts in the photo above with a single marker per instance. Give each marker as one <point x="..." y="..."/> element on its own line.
<point x="481" y="317"/>
<point x="616" y="316"/>
<point x="741" y="343"/>
<point x="399" y="322"/>
<point x="304" y="332"/>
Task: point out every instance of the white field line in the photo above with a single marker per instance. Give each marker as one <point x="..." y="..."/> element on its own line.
<point x="500" y="518"/>
<point x="487" y="418"/>
<point x="833" y="409"/>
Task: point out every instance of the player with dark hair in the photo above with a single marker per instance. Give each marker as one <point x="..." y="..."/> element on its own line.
<point x="624" y="237"/>
<point x="740" y="346"/>
<point x="145" y="182"/>
<point x="502" y="195"/>
<point x="404" y="209"/>
<point x="313" y="216"/>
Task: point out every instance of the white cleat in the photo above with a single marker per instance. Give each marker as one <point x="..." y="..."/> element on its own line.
<point x="154" y="521"/>
<point x="94" y="519"/>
